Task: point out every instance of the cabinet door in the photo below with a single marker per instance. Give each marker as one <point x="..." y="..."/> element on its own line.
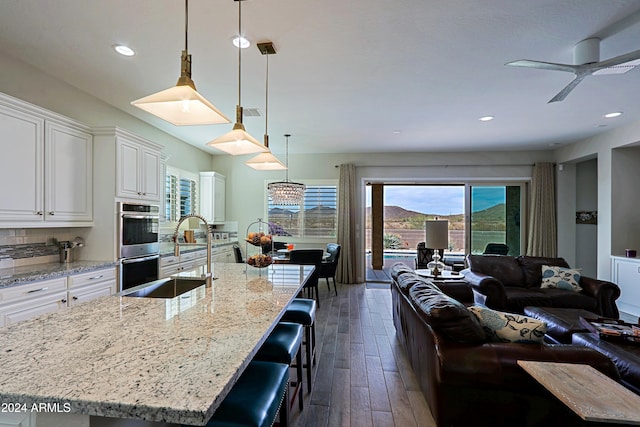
<point x="219" y="198"/>
<point x="21" y="166"/>
<point x="128" y="164"/>
<point x="89" y="292"/>
<point x="19" y="311"/>
<point x="626" y="274"/>
<point x="150" y="185"/>
<point x="68" y="169"/>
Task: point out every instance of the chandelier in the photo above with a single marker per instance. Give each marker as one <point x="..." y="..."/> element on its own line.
<point x="286" y="192"/>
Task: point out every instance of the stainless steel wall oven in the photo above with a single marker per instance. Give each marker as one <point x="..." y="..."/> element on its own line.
<point x="138" y="244"/>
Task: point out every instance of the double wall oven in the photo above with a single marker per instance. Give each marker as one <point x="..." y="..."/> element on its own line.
<point x="138" y="244"/>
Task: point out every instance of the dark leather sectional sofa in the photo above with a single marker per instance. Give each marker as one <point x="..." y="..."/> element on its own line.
<point x="467" y="380"/>
<point x="513" y="283"/>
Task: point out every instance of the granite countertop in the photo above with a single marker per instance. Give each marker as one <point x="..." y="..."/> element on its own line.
<point x="171" y="360"/>
<point x="166" y="248"/>
<point x="30" y="273"/>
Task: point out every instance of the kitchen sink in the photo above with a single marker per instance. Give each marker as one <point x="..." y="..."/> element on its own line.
<point x="169" y="288"/>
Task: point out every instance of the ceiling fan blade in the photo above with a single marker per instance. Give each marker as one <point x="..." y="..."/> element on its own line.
<point x="543" y="65"/>
<point x="618" y="60"/>
<point x="568" y="88"/>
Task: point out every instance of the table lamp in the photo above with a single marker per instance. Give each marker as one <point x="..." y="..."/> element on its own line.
<point x="437" y="237"/>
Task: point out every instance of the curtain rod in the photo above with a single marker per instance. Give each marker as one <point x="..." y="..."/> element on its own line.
<point x="443" y="166"/>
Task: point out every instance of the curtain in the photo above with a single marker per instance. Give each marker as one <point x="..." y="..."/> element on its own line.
<point x="542" y="236"/>
<point x="346" y="272"/>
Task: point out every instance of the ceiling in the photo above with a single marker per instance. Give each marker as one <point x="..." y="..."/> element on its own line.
<point x="349" y="76"/>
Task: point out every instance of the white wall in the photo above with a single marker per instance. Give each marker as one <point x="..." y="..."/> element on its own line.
<point x="586" y="191"/>
<point x="600" y="146"/>
<point x="246" y="188"/>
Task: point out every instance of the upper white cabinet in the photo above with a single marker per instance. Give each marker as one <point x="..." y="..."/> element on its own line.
<point x="212" y="196"/>
<point x="46" y="168"/>
<point x="138" y="166"/>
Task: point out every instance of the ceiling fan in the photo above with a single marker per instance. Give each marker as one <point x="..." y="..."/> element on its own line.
<point x="586" y="56"/>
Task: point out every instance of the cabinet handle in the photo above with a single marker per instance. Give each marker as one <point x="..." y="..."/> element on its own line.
<point x="64" y="300"/>
<point x="96" y="277"/>
<point x="144" y="194"/>
<point x="37" y="290"/>
<point x="75" y="298"/>
<point x="52" y="213"/>
<point x="39" y="213"/>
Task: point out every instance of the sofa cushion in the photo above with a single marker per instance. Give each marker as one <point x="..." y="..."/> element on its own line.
<point x="519" y="298"/>
<point x="509" y="327"/>
<point x="398" y="269"/>
<point x="446" y="315"/>
<point x="407" y="281"/>
<point x="570" y="299"/>
<point x="560" y="278"/>
<point x="532" y="268"/>
<point x="504" y="268"/>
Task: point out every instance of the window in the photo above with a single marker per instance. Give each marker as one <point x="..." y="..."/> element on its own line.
<point x="181" y="190"/>
<point x="315" y="217"/>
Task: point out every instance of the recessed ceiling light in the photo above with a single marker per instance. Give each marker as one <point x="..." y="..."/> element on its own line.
<point x="244" y="43"/>
<point x="396" y="131"/>
<point x="613" y="115"/>
<point x="486" y="118"/>
<point x="123" y="50"/>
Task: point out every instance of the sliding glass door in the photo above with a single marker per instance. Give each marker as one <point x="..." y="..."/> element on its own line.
<point x="495" y="216"/>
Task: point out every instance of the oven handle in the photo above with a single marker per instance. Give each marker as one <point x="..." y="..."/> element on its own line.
<point x="139" y="216"/>
<point x="143" y="259"/>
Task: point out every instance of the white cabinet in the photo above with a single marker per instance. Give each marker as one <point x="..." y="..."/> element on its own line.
<point x="223" y="254"/>
<point x="46" y="167"/>
<point x="625" y="272"/>
<point x="87" y="286"/>
<point x="138" y="167"/>
<point x="170" y="264"/>
<point x="23" y="302"/>
<point x="29" y="300"/>
<point x="212" y="196"/>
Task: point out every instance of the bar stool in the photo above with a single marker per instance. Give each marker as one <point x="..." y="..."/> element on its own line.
<point x="255" y="398"/>
<point x="283" y="345"/>
<point x="303" y="312"/>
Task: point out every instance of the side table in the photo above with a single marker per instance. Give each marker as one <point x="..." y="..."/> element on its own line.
<point x="451" y="283"/>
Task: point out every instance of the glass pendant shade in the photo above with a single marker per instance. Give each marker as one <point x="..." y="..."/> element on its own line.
<point x="182" y="105"/>
<point x="238" y="141"/>
<point x="286" y="192"/>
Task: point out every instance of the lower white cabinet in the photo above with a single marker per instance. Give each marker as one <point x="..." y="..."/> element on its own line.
<point x="223" y="254"/>
<point x="170" y="265"/>
<point x="26" y="301"/>
<point x="625" y="272"/>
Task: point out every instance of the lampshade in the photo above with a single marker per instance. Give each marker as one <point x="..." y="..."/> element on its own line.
<point x="437" y="234"/>
<point x="238" y="141"/>
<point x="182" y="105"/>
<point x="266" y="161"/>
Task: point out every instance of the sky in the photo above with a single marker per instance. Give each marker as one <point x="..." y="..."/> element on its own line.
<point x="439" y="200"/>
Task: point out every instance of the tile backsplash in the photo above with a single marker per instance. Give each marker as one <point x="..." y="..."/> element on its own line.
<point x="19" y="247"/>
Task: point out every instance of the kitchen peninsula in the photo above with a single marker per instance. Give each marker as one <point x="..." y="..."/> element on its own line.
<point x="164" y="360"/>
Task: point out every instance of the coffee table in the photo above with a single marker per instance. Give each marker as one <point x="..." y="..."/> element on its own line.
<point x="593" y="396"/>
<point x="444" y="275"/>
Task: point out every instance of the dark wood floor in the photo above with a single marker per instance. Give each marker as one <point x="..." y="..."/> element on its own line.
<point x="362" y="377"/>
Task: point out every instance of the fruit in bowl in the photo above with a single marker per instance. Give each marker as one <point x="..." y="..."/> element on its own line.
<point x="259" y="239"/>
<point x="259" y="260"/>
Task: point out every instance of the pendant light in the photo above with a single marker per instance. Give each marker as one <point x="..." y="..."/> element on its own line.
<point x="286" y="192"/>
<point x="182" y="105"/>
<point x="238" y="141"/>
<point x="266" y="161"/>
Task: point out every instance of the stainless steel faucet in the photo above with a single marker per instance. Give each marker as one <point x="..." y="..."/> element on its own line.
<point x="176" y="248"/>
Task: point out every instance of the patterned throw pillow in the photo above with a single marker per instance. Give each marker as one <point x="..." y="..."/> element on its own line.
<point x="509" y="327"/>
<point x="561" y="278"/>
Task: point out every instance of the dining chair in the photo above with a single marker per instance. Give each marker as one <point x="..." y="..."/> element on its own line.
<point x="309" y="257"/>
<point x="330" y="265"/>
<point x="424" y="255"/>
<point x="238" y="254"/>
<point x="496" y="249"/>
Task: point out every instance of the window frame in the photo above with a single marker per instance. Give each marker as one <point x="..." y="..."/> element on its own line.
<point x="308" y="183"/>
<point x="180" y="174"/>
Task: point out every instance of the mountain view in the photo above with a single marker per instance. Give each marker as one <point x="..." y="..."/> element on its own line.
<point x="396" y="217"/>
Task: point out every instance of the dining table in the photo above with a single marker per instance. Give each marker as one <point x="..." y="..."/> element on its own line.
<point x="124" y="360"/>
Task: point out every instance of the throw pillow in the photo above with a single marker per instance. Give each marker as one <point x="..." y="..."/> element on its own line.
<point x="560" y="278"/>
<point x="509" y="327"/>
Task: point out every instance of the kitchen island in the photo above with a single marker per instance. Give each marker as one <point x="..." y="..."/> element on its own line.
<point x="165" y="360"/>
